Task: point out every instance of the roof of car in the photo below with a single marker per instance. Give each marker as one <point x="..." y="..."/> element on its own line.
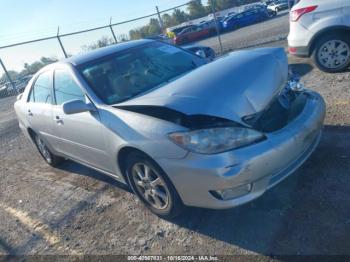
<point x="104" y="51"/>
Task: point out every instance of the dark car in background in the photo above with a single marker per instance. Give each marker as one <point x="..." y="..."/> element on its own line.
<point x="199" y="50"/>
<point x="245" y="18"/>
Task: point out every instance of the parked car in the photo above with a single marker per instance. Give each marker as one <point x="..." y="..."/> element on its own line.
<point x="177" y="130"/>
<point x="14" y="88"/>
<point x="161" y="37"/>
<point x="194" y="33"/>
<point x="177" y="29"/>
<point x="202" y="51"/>
<point x="327" y="38"/>
<point x="20" y="84"/>
<point x="263" y="8"/>
<point x="271" y="13"/>
<point x="243" y="19"/>
<point x="4" y="90"/>
<point x="211" y="15"/>
<point x="278" y="6"/>
<point x="230" y="14"/>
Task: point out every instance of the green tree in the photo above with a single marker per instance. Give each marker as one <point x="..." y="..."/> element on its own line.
<point x="153" y="27"/>
<point x="102" y="42"/>
<point x="179" y="16"/>
<point x="209" y="6"/>
<point x="225" y="4"/>
<point x="167" y="20"/>
<point x="196" y="9"/>
<point x="122" y="37"/>
<point x="34" y="67"/>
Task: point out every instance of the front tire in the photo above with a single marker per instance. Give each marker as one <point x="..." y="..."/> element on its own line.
<point x="45" y="152"/>
<point x="152" y="186"/>
<point x="332" y="53"/>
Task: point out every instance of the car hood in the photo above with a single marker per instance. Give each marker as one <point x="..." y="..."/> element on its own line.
<point x="239" y="84"/>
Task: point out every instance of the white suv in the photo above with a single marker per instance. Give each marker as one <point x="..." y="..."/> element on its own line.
<point x="278" y="6"/>
<point x="321" y="29"/>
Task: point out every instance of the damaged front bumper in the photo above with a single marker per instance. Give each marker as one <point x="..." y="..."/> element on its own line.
<point x="233" y="178"/>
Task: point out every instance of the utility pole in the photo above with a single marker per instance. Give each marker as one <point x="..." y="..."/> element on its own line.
<point x="160" y="20"/>
<point x="59" y="41"/>
<point x="7" y="75"/>
<point x="216" y="25"/>
<point x="110" y="26"/>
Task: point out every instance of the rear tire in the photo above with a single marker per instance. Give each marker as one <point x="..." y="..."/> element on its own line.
<point x="332" y="53"/>
<point x="45" y="152"/>
<point x="152" y="186"/>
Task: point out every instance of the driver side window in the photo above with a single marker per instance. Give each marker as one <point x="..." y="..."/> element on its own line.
<point x="65" y="88"/>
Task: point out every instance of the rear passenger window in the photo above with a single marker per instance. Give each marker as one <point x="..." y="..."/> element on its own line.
<point x="65" y="88"/>
<point x="41" y="91"/>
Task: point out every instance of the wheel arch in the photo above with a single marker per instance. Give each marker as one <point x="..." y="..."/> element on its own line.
<point x="32" y="134"/>
<point x="122" y="156"/>
<point x="121" y="161"/>
<point x="333" y="30"/>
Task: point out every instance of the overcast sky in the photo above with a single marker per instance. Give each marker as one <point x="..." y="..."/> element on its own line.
<point x="23" y="20"/>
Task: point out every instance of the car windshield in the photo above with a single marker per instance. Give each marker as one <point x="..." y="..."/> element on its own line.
<point x="131" y="72"/>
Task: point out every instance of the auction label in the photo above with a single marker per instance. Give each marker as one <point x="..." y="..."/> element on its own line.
<point x="173" y="258"/>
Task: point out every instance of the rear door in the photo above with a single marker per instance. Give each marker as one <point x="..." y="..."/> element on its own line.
<point x="78" y="136"/>
<point x="39" y="106"/>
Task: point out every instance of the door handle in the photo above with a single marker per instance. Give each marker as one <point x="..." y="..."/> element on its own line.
<point x="30" y="113"/>
<point x="58" y="120"/>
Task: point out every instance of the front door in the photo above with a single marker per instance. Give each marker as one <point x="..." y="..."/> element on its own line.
<point x="78" y="136"/>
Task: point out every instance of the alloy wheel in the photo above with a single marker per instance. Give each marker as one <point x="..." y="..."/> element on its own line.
<point x="43" y="149"/>
<point x="150" y="185"/>
<point x="334" y="54"/>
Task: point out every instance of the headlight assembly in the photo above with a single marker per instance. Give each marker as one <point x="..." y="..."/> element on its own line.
<point x="215" y="140"/>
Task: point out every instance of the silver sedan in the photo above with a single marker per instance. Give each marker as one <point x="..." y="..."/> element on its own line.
<point x="178" y="130"/>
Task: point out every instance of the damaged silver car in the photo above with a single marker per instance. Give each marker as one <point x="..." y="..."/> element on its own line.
<point x="178" y="130"/>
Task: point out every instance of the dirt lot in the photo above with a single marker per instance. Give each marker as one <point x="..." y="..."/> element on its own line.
<point x="75" y="210"/>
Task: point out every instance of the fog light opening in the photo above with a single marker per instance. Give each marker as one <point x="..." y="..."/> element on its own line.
<point x="231" y="193"/>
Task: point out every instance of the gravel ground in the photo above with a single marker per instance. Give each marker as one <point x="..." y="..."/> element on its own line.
<point x="75" y="210"/>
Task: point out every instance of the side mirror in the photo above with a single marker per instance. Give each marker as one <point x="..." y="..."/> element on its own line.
<point x="76" y="106"/>
<point x="201" y="53"/>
